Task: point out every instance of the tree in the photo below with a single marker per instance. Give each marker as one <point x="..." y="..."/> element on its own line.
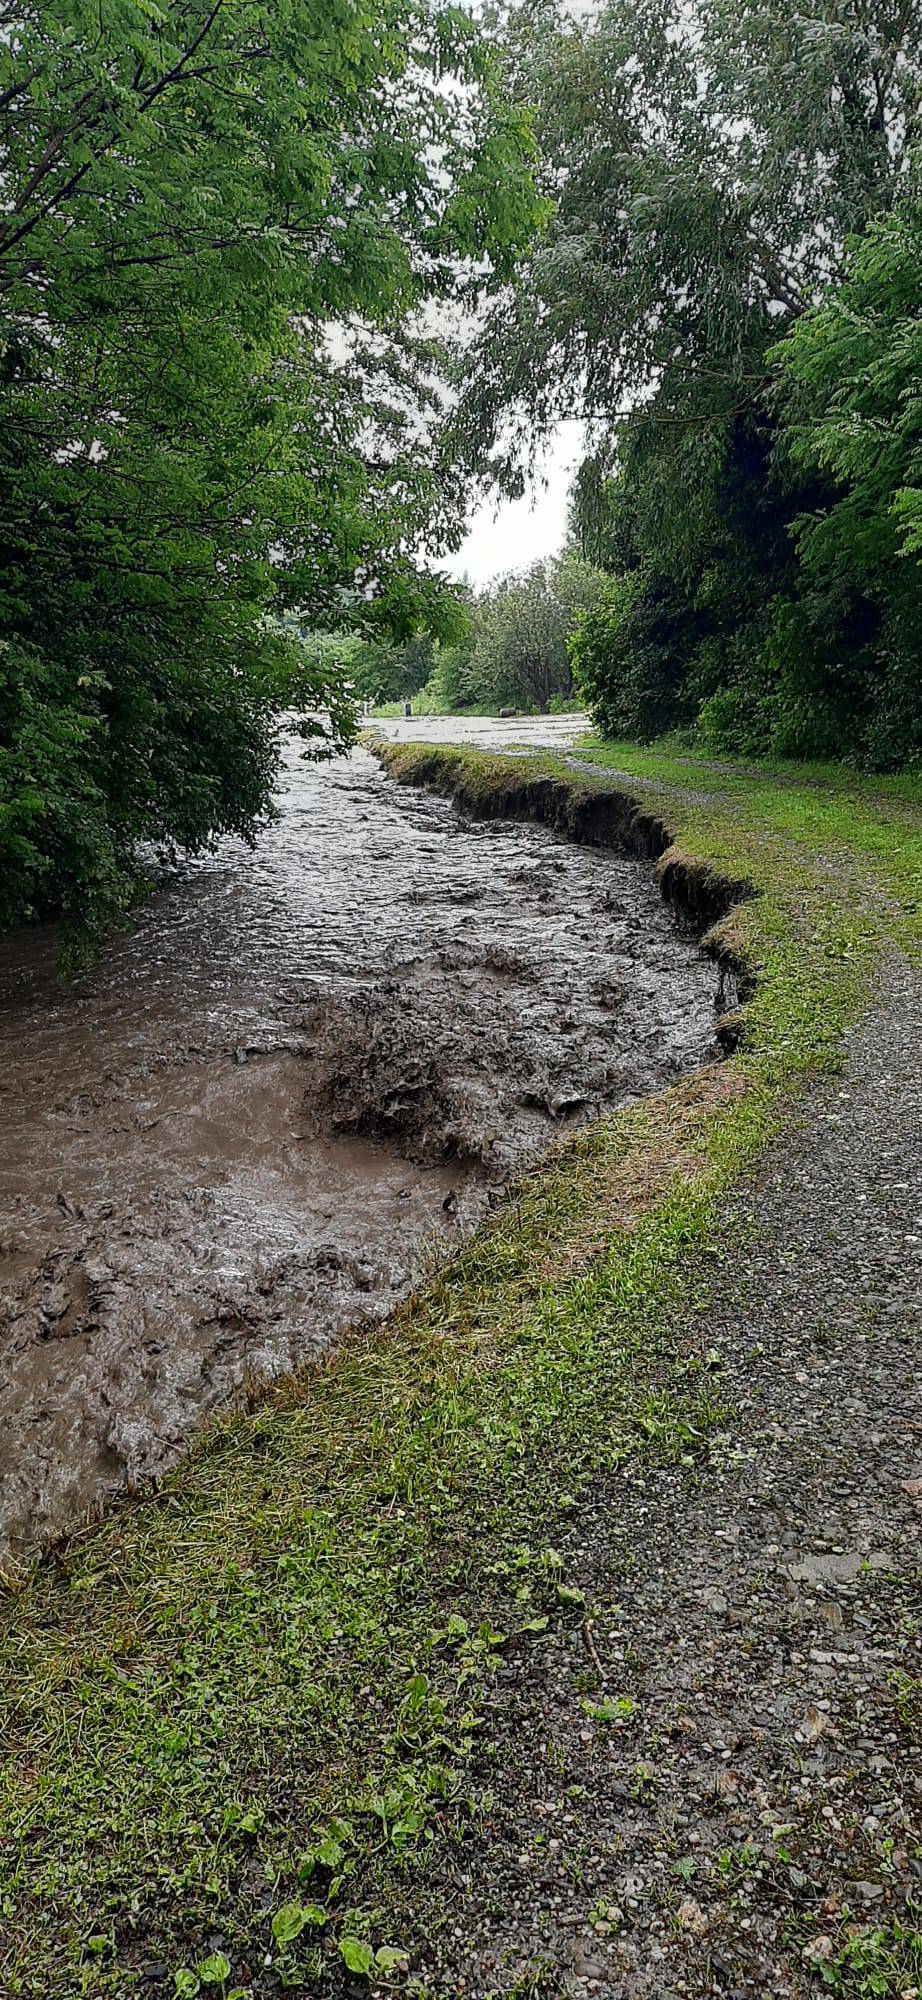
<point x="708" y="163"/>
<point x="452" y="688"/>
<point x="522" y="624"/>
<point x="219" y="225"/>
<point x="630" y="655"/>
<point x="376" y="670"/>
<point x="852" y="370"/>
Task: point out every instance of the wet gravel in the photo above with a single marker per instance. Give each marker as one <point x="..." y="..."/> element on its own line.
<point x="763" y="1798"/>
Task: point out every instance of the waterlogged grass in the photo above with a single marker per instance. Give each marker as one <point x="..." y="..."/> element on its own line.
<point x="238" y="1713"/>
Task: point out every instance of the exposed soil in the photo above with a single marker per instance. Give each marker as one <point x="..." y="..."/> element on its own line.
<point x="307" y="1071"/>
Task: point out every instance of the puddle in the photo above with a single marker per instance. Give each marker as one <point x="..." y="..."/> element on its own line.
<point x="305" y="1074"/>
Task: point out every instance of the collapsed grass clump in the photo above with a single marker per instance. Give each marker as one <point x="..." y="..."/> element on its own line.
<point x="238" y="1712"/>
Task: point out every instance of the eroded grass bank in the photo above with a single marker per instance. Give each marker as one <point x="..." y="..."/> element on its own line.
<point x="239" y="1714"/>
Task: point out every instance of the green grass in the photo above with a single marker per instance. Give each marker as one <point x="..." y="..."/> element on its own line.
<point x="671" y="762"/>
<point x="876" y="1959"/>
<point x="239" y="1714"/>
<point x="425" y="704"/>
<point x="826" y="808"/>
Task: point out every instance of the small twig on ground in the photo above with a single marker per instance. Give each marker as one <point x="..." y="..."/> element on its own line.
<point x="589" y="1643"/>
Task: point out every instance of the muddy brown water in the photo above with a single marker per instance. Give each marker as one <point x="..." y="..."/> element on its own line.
<point x="305" y="1073"/>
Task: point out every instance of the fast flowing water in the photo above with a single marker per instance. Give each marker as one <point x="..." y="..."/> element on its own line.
<point x="308" y="1069"/>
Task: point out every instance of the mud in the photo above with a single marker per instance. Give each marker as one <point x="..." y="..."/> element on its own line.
<point x="303" y="1076"/>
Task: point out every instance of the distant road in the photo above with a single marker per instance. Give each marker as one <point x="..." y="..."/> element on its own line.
<point x="487" y="732"/>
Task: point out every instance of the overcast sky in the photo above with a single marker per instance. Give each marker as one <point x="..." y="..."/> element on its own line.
<point x="510" y="534"/>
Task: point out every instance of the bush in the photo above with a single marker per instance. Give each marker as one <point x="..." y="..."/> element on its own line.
<point x="629" y="657"/>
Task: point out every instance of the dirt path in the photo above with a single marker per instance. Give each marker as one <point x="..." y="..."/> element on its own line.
<point x="307" y="1675"/>
<point x="765" y="1787"/>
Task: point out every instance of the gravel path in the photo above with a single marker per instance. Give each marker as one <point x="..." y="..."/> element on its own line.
<point x="763" y="1797"/>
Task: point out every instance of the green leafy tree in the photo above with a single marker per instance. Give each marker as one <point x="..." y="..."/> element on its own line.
<point x="395" y="672"/>
<point x="451" y="687"/>
<point x="630" y="655"/>
<point x="708" y="163"/>
<point x="219" y="226"/>
<point x="521" y="627"/>
<point x="853" y="370"/>
<point x="376" y="670"/>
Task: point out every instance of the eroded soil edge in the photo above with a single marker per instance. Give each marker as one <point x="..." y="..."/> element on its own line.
<point x="307" y="1076"/>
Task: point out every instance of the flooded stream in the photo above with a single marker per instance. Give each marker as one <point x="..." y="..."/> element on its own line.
<point x="307" y="1070"/>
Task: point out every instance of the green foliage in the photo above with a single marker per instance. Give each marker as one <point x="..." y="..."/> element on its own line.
<point x="503" y="646"/>
<point x="357" y="1956"/>
<point x="629" y="655"/>
<point x="706" y="159"/>
<point x="711" y="162"/>
<point x="874" y="1962"/>
<point x="852" y="370"/>
<point x="214" y="1694"/>
<point x="214" y="1970"/>
<point x="451" y="686"/>
<point x="219" y="229"/>
<point x="514" y="651"/>
<point x="293" y="1918"/>
<point x="376" y="670"/>
<point x="386" y="671"/>
<point x="519" y="655"/>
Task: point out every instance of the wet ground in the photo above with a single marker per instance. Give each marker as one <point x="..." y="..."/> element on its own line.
<point x="745" y="1820"/>
<point x="309" y="1069"/>
<point x="488" y="732"/>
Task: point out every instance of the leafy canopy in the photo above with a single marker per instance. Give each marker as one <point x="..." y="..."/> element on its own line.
<point x="521" y="626"/>
<point x="710" y="164"/>
<point x="706" y="163"/>
<point x="854" y="370"/>
<point x="221" y="225"/>
<point x="852" y="375"/>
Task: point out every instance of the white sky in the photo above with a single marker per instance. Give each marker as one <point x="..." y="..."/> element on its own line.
<point x="510" y="534"/>
<point x="503" y="534"/>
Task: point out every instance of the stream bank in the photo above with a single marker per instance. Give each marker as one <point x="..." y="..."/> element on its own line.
<point x="558" y="1639"/>
<point x="304" y="1077"/>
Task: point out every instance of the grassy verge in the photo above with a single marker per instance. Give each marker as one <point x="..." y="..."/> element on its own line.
<point x="425" y="705"/>
<point x="238" y="1713"/>
<point x="834" y="812"/>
